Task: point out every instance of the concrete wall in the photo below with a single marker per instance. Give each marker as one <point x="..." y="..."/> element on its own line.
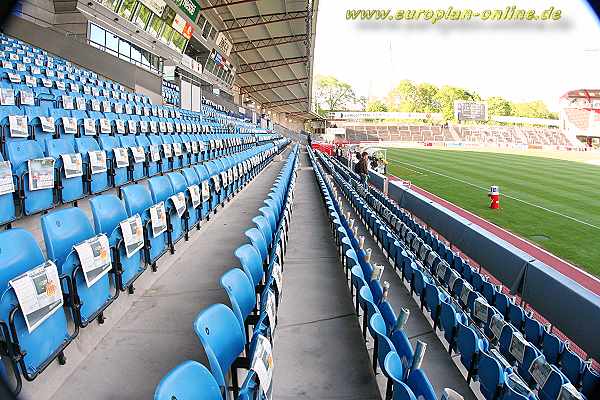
<point x="86" y="56"/>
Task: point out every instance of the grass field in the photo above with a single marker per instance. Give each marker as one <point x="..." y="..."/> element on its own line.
<point x="553" y="203"/>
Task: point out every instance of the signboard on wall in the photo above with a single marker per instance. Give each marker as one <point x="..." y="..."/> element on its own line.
<point x="470" y="110"/>
<point x="156" y="6"/>
<point x="190" y="7"/>
<point x="360" y="115"/>
<point x="182" y="26"/>
<point x="224" y="44"/>
<point x="216" y="91"/>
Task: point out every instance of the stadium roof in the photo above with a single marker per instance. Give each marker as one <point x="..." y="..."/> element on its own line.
<point x="273" y="48"/>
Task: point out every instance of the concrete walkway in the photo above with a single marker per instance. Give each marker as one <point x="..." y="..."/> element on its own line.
<point x="319" y="352"/>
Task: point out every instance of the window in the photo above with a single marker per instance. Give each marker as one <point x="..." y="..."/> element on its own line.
<point x="178" y="42"/>
<point x="112" y="43"/>
<point x="166" y="34"/>
<point x="213" y="34"/>
<point x="155" y="26"/>
<point x="201" y="22"/>
<point x="97" y="35"/>
<point x="136" y="55"/>
<point x="127" y="8"/>
<point x="124" y="50"/>
<point x="206" y="31"/>
<point x="142" y="16"/>
<point x="210" y="65"/>
<point x="110" y="4"/>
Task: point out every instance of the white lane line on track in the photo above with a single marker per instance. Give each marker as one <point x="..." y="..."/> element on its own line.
<point x="504" y="194"/>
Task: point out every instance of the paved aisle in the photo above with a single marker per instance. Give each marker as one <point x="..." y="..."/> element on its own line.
<point x="319" y="352"/>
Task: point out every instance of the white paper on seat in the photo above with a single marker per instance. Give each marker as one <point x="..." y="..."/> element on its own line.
<point x="105" y="126"/>
<point x="224" y="178"/>
<point x="89" y="127"/>
<point x="27" y="97"/>
<point x="132" y="126"/>
<point x="72" y="165"/>
<point x="18" y="126"/>
<point x="121" y="157"/>
<point x="195" y="195"/>
<point x="41" y="173"/>
<point x="154" y="152"/>
<point x="278" y="278"/>
<point x="133" y="235"/>
<point x="39" y="294"/>
<point x="496" y="325"/>
<point x="517" y="346"/>
<point x="205" y="190"/>
<point x="7" y="184"/>
<point x="480" y="309"/>
<point x="194" y="147"/>
<point x="188" y="146"/>
<point x="179" y="203"/>
<point x="271" y="309"/>
<point x="168" y="150"/>
<point x="97" y="161"/>
<point x="464" y="294"/>
<point x="569" y="392"/>
<point x="30" y="81"/>
<point x="262" y="364"/>
<point x="539" y="369"/>
<point x="216" y="183"/>
<point x="139" y="156"/>
<point x="177" y="149"/>
<point x="69" y="125"/>
<point x="80" y="102"/>
<point x="120" y="124"/>
<point x="94" y="256"/>
<point x="158" y="219"/>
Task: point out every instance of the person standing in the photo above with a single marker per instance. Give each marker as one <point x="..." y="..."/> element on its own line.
<point x="309" y="140"/>
<point x="362" y="168"/>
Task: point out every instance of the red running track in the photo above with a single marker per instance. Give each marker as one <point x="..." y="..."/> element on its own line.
<point x="583" y="278"/>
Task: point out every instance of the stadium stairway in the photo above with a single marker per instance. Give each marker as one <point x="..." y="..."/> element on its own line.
<point x="147" y="334"/>
<point x="319" y="352"/>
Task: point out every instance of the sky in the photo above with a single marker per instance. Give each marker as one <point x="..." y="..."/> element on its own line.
<point x="521" y="61"/>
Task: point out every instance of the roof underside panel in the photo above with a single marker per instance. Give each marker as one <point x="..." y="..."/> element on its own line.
<point x="271" y="49"/>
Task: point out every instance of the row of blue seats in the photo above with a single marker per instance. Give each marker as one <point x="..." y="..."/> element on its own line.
<point x="77" y="167"/>
<point x="160" y="214"/>
<point x="429" y="270"/>
<point x="239" y="337"/>
<point x="392" y="352"/>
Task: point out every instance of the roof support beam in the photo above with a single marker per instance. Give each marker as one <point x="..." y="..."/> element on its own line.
<point x="258" y="66"/>
<point x="281" y="103"/>
<point x="267" y="42"/>
<point x="224" y="3"/>
<point x="257" y="20"/>
<point x="271" y="85"/>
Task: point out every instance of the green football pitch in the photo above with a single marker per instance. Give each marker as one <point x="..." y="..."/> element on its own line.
<point x="553" y="203"/>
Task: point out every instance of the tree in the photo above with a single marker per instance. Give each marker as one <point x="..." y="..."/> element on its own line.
<point x="446" y="97"/>
<point x="499" y="106"/>
<point x="533" y="109"/>
<point x="426" y="101"/>
<point x="331" y="94"/>
<point x="377" y="106"/>
<point x="403" y="97"/>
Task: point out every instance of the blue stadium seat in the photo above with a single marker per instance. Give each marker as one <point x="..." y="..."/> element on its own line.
<point x="162" y="190"/>
<point x="62" y="230"/>
<point x="97" y="181"/>
<point x="138" y="200"/>
<point x="223" y="340"/>
<point x="32" y="201"/>
<point x="72" y="188"/>
<point x="7" y="205"/>
<point x="108" y="212"/>
<point x="19" y="253"/>
<point x="189" y="380"/>
<point x="419" y="384"/>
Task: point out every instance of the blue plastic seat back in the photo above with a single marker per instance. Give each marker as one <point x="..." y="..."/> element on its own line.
<point x="388" y="314"/>
<point x="467" y="343"/>
<point x="590" y="383"/>
<point x="19" y="253"/>
<point x="491" y="375"/>
<point x="189" y="380"/>
<point x="403" y="348"/>
<point x="269" y="214"/>
<point x="7" y="206"/>
<point x="251" y="263"/>
<point x="18" y="153"/>
<point x="241" y="293"/>
<point x="402" y="392"/>
<point x="62" y="230"/>
<point x="190" y="176"/>
<point x="108" y="211"/>
<point x="258" y="241"/>
<point x="572" y="365"/>
<point x="419" y="384"/>
<point x="552" y="347"/>
<point x="392" y="367"/>
<point x="516" y="315"/>
<point x="72" y="188"/>
<point x="265" y="227"/>
<point x="222" y="338"/>
<point x="532" y="330"/>
<point x="160" y="188"/>
<point x="553" y="384"/>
